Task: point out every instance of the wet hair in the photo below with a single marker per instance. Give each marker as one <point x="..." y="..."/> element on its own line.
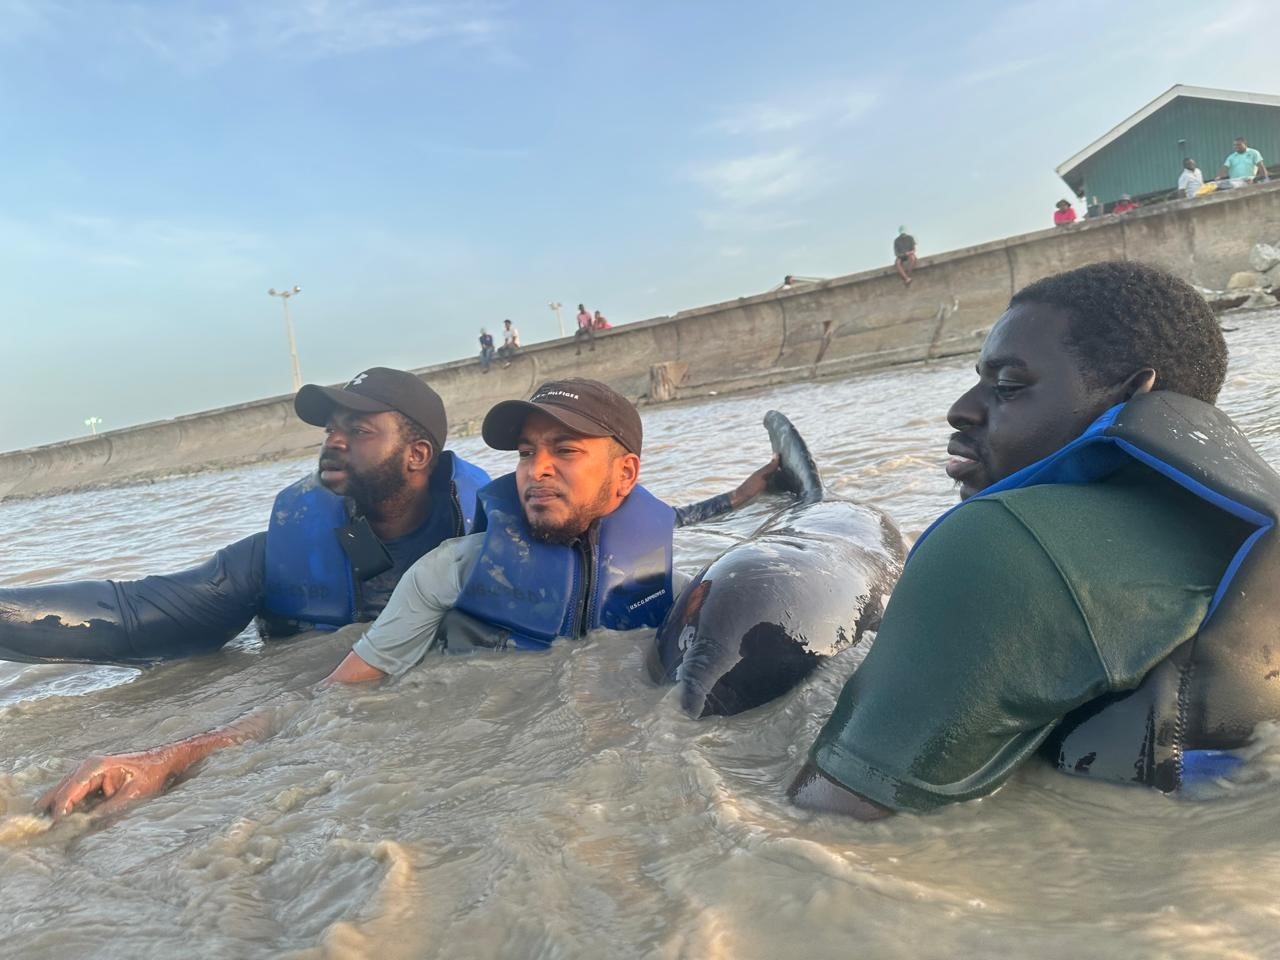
<point x="1124" y="315"/>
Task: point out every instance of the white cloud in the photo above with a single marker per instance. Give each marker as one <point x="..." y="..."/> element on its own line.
<point x="801" y="109"/>
<point x="197" y="37"/>
<point x="21" y="19"/>
<point x="323" y="28"/>
<point x="756" y="192"/>
<point x="741" y="222"/>
<point x="192" y="41"/>
<point x="1000" y="70"/>
<point x="756" y="178"/>
<point x="116" y="244"/>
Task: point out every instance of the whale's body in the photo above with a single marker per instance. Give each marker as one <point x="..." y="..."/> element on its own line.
<point x="810" y="582"/>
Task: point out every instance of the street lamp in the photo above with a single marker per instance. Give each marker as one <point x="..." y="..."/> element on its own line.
<point x="92" y="424"/>
<point x="555" y="306"/>
<point x="284" y="296"/>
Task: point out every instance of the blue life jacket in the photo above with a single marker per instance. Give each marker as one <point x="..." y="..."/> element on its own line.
<point x="1208" y="694"/>
<point x="308" y="581"/>
<point x="617" y="576"/>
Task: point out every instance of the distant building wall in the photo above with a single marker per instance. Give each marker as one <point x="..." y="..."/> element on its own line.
<point x="1148" y="158"/>
<point x="833" y="328"/>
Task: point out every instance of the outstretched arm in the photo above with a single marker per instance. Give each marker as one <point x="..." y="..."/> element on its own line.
<point x="741" y="495"/>
<point x="116" y="780"/>
<point x="398" y="639"/>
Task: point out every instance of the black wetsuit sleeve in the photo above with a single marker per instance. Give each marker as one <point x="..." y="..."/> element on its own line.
<point x="156" y="618"/>
<point x="703" y="510"/>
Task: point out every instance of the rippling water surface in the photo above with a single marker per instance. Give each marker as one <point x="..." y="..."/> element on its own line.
<point x="557" y="805"/>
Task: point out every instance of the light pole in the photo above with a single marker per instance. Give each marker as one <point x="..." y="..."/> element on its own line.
<point x="284" y="296"/>
<point x="555" y="306"/>
<point x="92" y="424"/>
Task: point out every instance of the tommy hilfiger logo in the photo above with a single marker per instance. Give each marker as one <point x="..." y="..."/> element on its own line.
<point x="358" y="379"/>
<point x="555" y="393"/>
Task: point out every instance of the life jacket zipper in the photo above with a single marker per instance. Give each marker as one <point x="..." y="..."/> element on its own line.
<point x="586" y="601"/>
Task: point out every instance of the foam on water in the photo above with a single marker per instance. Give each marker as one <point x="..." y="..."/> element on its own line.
<point x="558" y="805"/>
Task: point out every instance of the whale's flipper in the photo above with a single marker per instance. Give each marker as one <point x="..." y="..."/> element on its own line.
<point x="798" y="473"/>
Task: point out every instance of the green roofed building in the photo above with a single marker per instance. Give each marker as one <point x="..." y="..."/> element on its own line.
<point x="1142" y="156"/>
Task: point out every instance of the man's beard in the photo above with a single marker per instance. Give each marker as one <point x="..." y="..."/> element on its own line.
<point x="575" y="525"/>
<point x="377" y="484"/>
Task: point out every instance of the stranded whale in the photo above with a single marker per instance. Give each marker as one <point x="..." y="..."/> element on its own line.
<point x="760" y="617"/>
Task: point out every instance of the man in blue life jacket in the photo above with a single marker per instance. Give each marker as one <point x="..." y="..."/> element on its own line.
<point x="1105" y="594"/>
<point x="385" y="493"/>
<point x="567" y="543"/>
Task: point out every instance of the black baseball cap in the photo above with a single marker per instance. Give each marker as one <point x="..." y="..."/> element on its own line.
<point x="374" y="391"/>
<point x="587" y="407"/>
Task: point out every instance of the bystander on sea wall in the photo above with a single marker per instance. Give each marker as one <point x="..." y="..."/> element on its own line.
<point x="835" y="327"/>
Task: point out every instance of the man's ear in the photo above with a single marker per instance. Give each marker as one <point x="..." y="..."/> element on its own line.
<point x="1140" y="381"/>
<point x="627" y="473"/>
<point x="419" y="455"/>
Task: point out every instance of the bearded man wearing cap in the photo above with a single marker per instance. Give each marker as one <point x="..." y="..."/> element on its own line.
<point x="386" y="493"/>
<point x="568" y="543"/>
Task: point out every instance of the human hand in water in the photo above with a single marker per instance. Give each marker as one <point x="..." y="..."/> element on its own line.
<point x="755" y="484"/>
<point x="107" y="784"/>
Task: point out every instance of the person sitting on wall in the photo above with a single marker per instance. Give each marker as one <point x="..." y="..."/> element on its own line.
<point x="571" y="528"/>
<point x="510" y="342"/>
<point x="586" y="330"/>
<point x="385" y="493"/>
<point x="1242" y="165"/>
<point x="904" y="253"/>
<point x="600" y="322"/>
<point x="1106" y="591"/>
<point x="1124" y="204"/>
<point x="1064" y="215"/>
<point x="486" y="350"/>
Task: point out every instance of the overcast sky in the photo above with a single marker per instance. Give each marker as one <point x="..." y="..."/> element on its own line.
<point x="423" y="169"/>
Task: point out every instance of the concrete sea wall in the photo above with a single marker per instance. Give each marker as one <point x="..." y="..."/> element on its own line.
<point x="834" y="328"/>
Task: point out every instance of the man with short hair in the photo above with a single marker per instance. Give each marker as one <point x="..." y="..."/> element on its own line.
<point x="510" y="342"/>
<point x="338" y="541"/>
<point x="1191" y="180"/>
<point x="904" y="253"/>
<point x="1106" y="591"/>
<point x="567" y="543"/>
<point x="1243" y="164"/>
<point x="486" y="350"/>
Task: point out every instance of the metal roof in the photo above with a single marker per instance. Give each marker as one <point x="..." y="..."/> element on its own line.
<point x="1177" y="90"/>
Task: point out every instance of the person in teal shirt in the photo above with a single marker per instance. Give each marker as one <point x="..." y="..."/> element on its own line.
<point x="1243" y="163"/>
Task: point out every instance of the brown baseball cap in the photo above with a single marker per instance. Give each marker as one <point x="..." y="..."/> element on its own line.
<point x="587" y="407"/>
<point x="376" y="390"/>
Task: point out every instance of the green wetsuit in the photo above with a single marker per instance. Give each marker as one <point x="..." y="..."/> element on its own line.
<point x="1019" y="608"/>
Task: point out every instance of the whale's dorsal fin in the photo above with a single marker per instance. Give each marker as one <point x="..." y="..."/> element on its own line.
<point x="798" y="473"/>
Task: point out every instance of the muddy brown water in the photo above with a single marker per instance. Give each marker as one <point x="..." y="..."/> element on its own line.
<point x="557" y="805"/>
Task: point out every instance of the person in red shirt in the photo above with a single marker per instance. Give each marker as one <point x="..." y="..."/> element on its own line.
<point x="1064" y="215"/>
<point x="1125" y="204"/>
<point x="586" y="329"/>
<point x="601" y="322"/>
